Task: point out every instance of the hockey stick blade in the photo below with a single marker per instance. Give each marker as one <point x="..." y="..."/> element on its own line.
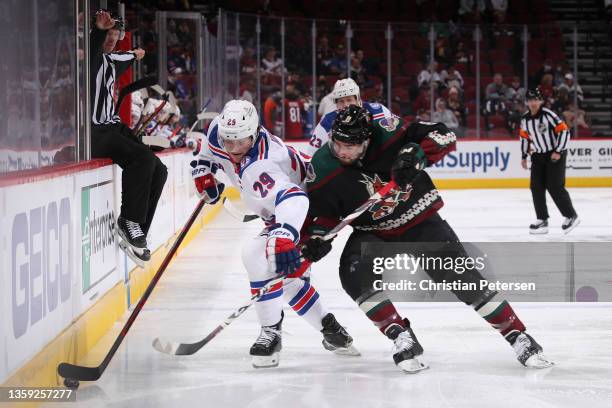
<point x="74" y="372"/>
<point x="185" y="349"/>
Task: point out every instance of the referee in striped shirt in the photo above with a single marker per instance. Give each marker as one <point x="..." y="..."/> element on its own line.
<point x="144" y="175"/>
<point x="545" y="136"/>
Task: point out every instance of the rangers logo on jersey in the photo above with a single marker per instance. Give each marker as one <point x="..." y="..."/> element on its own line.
<point x="387" y="205"/>
<point x="390" y="124"/>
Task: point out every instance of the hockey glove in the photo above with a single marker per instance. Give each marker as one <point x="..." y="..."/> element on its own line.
<point x="409" y="161"/>
<point x="281" y="252"/>
<point x="206" y="185"/>
<point x="316" y="247"/>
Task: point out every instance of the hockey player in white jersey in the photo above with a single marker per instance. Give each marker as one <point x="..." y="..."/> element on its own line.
<point x="345" y="93"/>
<point x="270" y="178"/>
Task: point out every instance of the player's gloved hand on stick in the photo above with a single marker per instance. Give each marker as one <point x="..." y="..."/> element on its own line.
<point x="206" y="186"/>
<point x="316" y="247"/>
<point x="281" y="252"/>
<point x="409" y="161"/>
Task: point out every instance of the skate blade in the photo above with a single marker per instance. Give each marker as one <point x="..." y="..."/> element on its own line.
<point x="538" y="361"/>
<point x="265" y="361"/>
<point x="570" y="229"/>
<point x="350" y="351"/>
<point x="129" y="252"/>
<point x="539" y="231"/>
<point x="412" y="366"/>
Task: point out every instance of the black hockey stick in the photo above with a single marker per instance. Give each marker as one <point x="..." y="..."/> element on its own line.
<point x="74" y="373"/>
<point x="182" y="349"/>
<point x="145" y="82"/>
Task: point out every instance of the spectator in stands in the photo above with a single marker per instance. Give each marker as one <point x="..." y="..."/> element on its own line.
<point x="423" y="100"/>
<point x="247" y="90"/>
<point x="324" y="55"/>
<point x="547" y="68"/>
<point x="271" y="118"/>
<point x="564" y="106"/>
<point x="499" y="9"/>
<point x="452" y="78"/>
<point x="428" y="75"/>
<point x="572" y="87"/>
<point x="295" y="79"/>
<point x="357" y="69"/>
<point x="271" y="64"/>
<point x="496" y="98"/>
<point x="338" y="63"/>
<point x="442" y="52"/>
<point x="462" y="56"/>
<point x="516" y="114"/>
<point x="444" y="115"/>
<point x="248" y="62"/>
<point x="423" y="115"/>
<point x="171" y="35"/>
<point x="547" y="90"/>
<point x="516" y="92"/>
<point x="456" y="105"/>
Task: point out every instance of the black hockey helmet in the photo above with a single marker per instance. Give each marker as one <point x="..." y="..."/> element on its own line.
<point x="352" y="125"/>
<point x="534" y="93"/>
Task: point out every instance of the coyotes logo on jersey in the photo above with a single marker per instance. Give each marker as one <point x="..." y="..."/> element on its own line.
<point x="386" y="205"/>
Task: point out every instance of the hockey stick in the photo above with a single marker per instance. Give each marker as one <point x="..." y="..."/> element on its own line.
<point x="234" y="212"/>
<point x="74" y="373"/>
<point x="182" y="349"/>
<point x="145" y="82"/>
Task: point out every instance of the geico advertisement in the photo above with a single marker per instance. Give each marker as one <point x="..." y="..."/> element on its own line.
<point x="38" y="265"/>
<point x="502" y="159"/>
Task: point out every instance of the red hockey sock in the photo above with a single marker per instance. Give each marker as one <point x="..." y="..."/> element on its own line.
<point x="382" y="313"/>
<point x="501" y="316"/>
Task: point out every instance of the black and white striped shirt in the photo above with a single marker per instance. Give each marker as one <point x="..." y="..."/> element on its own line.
<point x="543" y="132"/>
<point x="105" y="69"/>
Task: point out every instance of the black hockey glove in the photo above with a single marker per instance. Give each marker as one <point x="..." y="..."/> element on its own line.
<point x="315" y="247"/>
<point x="409" y="161"/>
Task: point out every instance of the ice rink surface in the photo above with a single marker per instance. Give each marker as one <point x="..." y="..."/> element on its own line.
<point x="471" y="365"/>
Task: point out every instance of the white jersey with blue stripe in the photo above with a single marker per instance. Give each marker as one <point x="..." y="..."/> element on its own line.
<point x="320" y="136"/>
<point x="270" y="176"/>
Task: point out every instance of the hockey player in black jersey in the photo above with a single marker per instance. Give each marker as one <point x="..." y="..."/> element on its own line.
<point x="359" y="159"/>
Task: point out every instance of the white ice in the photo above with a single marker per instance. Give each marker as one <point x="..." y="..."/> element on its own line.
<point x="471" y="365"/>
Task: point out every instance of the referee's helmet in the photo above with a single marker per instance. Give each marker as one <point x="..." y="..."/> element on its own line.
<point x="534" y="93"/>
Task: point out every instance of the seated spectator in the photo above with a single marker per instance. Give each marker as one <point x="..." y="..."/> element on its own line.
<point x="572" y="87"/>
<point x="547" y="90"/>
<point x="423" y="116"/>
<point x="272" y="119"/>
<point x="247" y="90"/>
<point x="248" y="62"/>
<point x="462" y="56"/>
<point x="516" y="92"/>
<point x="496" y="96"/>
<point x="271" y="64"/>
<point x="444" y="115"/>
<point x="295" y="79"/>
<point x="423" y="100"/>
<point x="565" y="107"/>
<point x="442" y="52"/>
<point x="324" y="55"/>
<point x="452" y="78"/>
<point x="428" y="75"/>
<point x="357" y="69"/>
<point x="547" y="68"/>
<point x="456" y="105"/>
<point x="515" y="115"/>
<point x="338" y="63"/>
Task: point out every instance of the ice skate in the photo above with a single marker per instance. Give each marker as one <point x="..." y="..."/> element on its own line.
<point x="336" y="338"/>
<point x="539" y="227"/>
<point x="265" y="352"/>
<point x="132" y="241"/>
<point x="529" y="352"/>
<point x="570" y="223"/>
<point x="406" y="348"/>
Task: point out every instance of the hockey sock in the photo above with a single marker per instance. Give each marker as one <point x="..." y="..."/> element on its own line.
<point x="270" y="306"/>
<point x="381" y="311"/>
<point x="304" y="300"/>
<point x="502" y="318"/>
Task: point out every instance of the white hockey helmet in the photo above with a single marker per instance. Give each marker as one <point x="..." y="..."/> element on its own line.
<point x="346" y="87"/>
<point x="238" y="120"/>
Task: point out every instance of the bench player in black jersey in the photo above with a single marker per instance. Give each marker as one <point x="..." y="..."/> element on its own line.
<point x="360" y="158"/>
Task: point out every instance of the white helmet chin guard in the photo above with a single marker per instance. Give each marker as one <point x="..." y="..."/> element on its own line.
<point x="239" y="120"/>
<point x="346" y="87"/>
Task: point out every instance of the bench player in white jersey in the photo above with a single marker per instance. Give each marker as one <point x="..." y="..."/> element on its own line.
<point x="345" y="93"/>
<point x="270" y="177"/>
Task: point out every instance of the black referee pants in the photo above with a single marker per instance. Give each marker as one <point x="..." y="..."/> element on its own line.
<point x="547" y="175"/>
<point x="144" y="175"/>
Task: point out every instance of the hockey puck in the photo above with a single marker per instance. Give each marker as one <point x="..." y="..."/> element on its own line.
<point x="70" y="383"/>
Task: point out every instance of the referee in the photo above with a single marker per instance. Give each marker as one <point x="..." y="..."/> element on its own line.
<point x="144" y="175"/>
<point x="545" y="136"/>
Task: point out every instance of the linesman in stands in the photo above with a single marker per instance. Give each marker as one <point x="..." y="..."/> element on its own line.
<point x="545" y="136"/>
<point x="144" y="175"/>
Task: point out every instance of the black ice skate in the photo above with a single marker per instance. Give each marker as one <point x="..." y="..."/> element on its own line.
<point x="570" y="223"/>
<point x="265" y="352"/>
<point x="335" y="337"/>
<point x="539" y="227"/>
<point x="132" y="241"/>
<point x="406" y="348"/>
<point x="528" y="351"/>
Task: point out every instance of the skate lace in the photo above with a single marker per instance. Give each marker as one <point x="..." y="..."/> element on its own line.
<point x="267" y="335"/>
<point x="402" y="342"/>
<point x="521" y="344"/>
<point x="134" y="229"/>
